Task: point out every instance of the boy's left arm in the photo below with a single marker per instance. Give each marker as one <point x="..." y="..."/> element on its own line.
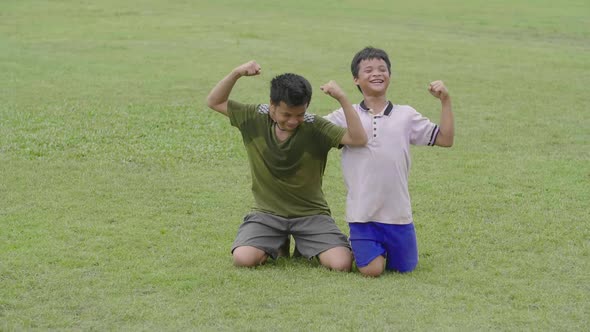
<point x="446" y="132"/>
<point x="355" y="134"/>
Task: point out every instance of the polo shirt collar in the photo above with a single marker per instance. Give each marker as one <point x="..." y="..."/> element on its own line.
<point x="387" y="111"/>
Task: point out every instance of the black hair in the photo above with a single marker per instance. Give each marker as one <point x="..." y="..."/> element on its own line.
<point x="368" y="53"/>
<point x="292" y="89"/>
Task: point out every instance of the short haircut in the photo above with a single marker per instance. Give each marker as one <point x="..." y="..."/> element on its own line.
<point x="292" y="89"/>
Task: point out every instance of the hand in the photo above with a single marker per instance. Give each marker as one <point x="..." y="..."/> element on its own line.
<point x="333" y="90"/>
<point x="438" y="90"/>
<point x="250" y="68"/>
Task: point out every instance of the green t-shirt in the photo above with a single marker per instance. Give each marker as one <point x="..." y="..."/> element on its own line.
<point x="286" y="176"/>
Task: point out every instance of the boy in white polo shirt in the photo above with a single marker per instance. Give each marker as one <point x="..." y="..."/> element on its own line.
<point x="378" y="208"/>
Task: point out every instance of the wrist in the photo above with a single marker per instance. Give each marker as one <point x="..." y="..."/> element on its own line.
<point x="236" y="73"/>
<point x="342" y="100"/>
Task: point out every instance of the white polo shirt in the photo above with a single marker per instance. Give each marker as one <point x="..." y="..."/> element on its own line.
<point x="376" y="175"/>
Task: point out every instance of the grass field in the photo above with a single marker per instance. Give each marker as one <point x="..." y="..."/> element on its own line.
<point x="120" y="192"/>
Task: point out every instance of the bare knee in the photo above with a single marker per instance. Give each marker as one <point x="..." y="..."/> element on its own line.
<point x="247" y="256"/>
<point x="374" y="269"/>
<point x="338" y="259"/>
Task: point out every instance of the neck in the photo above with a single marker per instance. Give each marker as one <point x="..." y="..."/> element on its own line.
<point x="281" y="134"/>
<point x="376" y="103"/>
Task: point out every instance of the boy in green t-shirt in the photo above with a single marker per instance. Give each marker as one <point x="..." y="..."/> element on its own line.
<point x="287" y="150"/>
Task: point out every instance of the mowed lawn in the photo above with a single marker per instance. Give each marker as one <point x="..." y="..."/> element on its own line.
<point x="121" y="193"/>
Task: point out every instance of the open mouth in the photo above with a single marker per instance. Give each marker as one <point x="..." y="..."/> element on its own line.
<point x="376" y="81"/>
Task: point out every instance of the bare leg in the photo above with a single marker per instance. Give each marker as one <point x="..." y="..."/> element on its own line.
<point x="337" y="258"/>
<point x="375" y="268"/>
<point x="247" y="256"/>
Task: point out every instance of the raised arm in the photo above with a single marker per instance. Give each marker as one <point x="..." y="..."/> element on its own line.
<point x="446" y="133"/>
<point x="217" y="98"/>
<point x="355" y="133"/>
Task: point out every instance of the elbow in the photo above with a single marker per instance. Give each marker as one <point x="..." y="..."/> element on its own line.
<point x="451" y="140"/>
<point x="447" y="143"/>
<point x="213" y="105"/>
<point x="364" y="141"/>
<point x="444" y="139"/>
<point x="209" y="102"/>
<point x="354" y="140"/>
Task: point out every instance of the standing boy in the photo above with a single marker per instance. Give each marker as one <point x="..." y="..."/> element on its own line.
<point x="378" y="208"/>
<point x="287" y="150"/>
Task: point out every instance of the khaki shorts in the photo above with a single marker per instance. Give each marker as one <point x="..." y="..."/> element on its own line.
<point x="313" y="234"/>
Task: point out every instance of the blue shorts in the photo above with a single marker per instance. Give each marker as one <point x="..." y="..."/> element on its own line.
<point x="397" y="243"/>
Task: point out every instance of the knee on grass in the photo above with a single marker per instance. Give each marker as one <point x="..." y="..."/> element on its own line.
<point x="337" y="259"/>
<point x="248" y="256"/>
<point x="377" y="267"/>
<point x="374" y="269"/>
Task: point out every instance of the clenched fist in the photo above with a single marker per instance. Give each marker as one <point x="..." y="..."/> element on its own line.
<point x="250" y="68"/>
<point x="332" y="89"/>
<point x="438" y="90"/>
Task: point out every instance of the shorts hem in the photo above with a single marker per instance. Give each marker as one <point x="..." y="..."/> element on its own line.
<point x="332" y="247"/>
<point x="234" y="247"/>
<point x="370" y="260"/>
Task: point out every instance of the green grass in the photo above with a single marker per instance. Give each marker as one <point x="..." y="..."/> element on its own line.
<point x="120" y="193"/>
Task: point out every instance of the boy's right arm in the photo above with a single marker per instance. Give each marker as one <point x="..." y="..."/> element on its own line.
<point x="337" y="117"/>
<point x="217" y="98"/>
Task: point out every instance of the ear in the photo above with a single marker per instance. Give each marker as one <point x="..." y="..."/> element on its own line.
<point x="272" y="110"/>
<point x="356" y="81"/>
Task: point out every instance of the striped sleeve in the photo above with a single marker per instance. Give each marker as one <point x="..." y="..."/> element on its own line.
<point x="433" y="136"/>
<point x="422" y="130"/>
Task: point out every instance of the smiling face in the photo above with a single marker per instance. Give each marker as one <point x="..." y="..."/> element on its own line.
<point x="373" y="77"/>
<point x="287" y="118"/>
